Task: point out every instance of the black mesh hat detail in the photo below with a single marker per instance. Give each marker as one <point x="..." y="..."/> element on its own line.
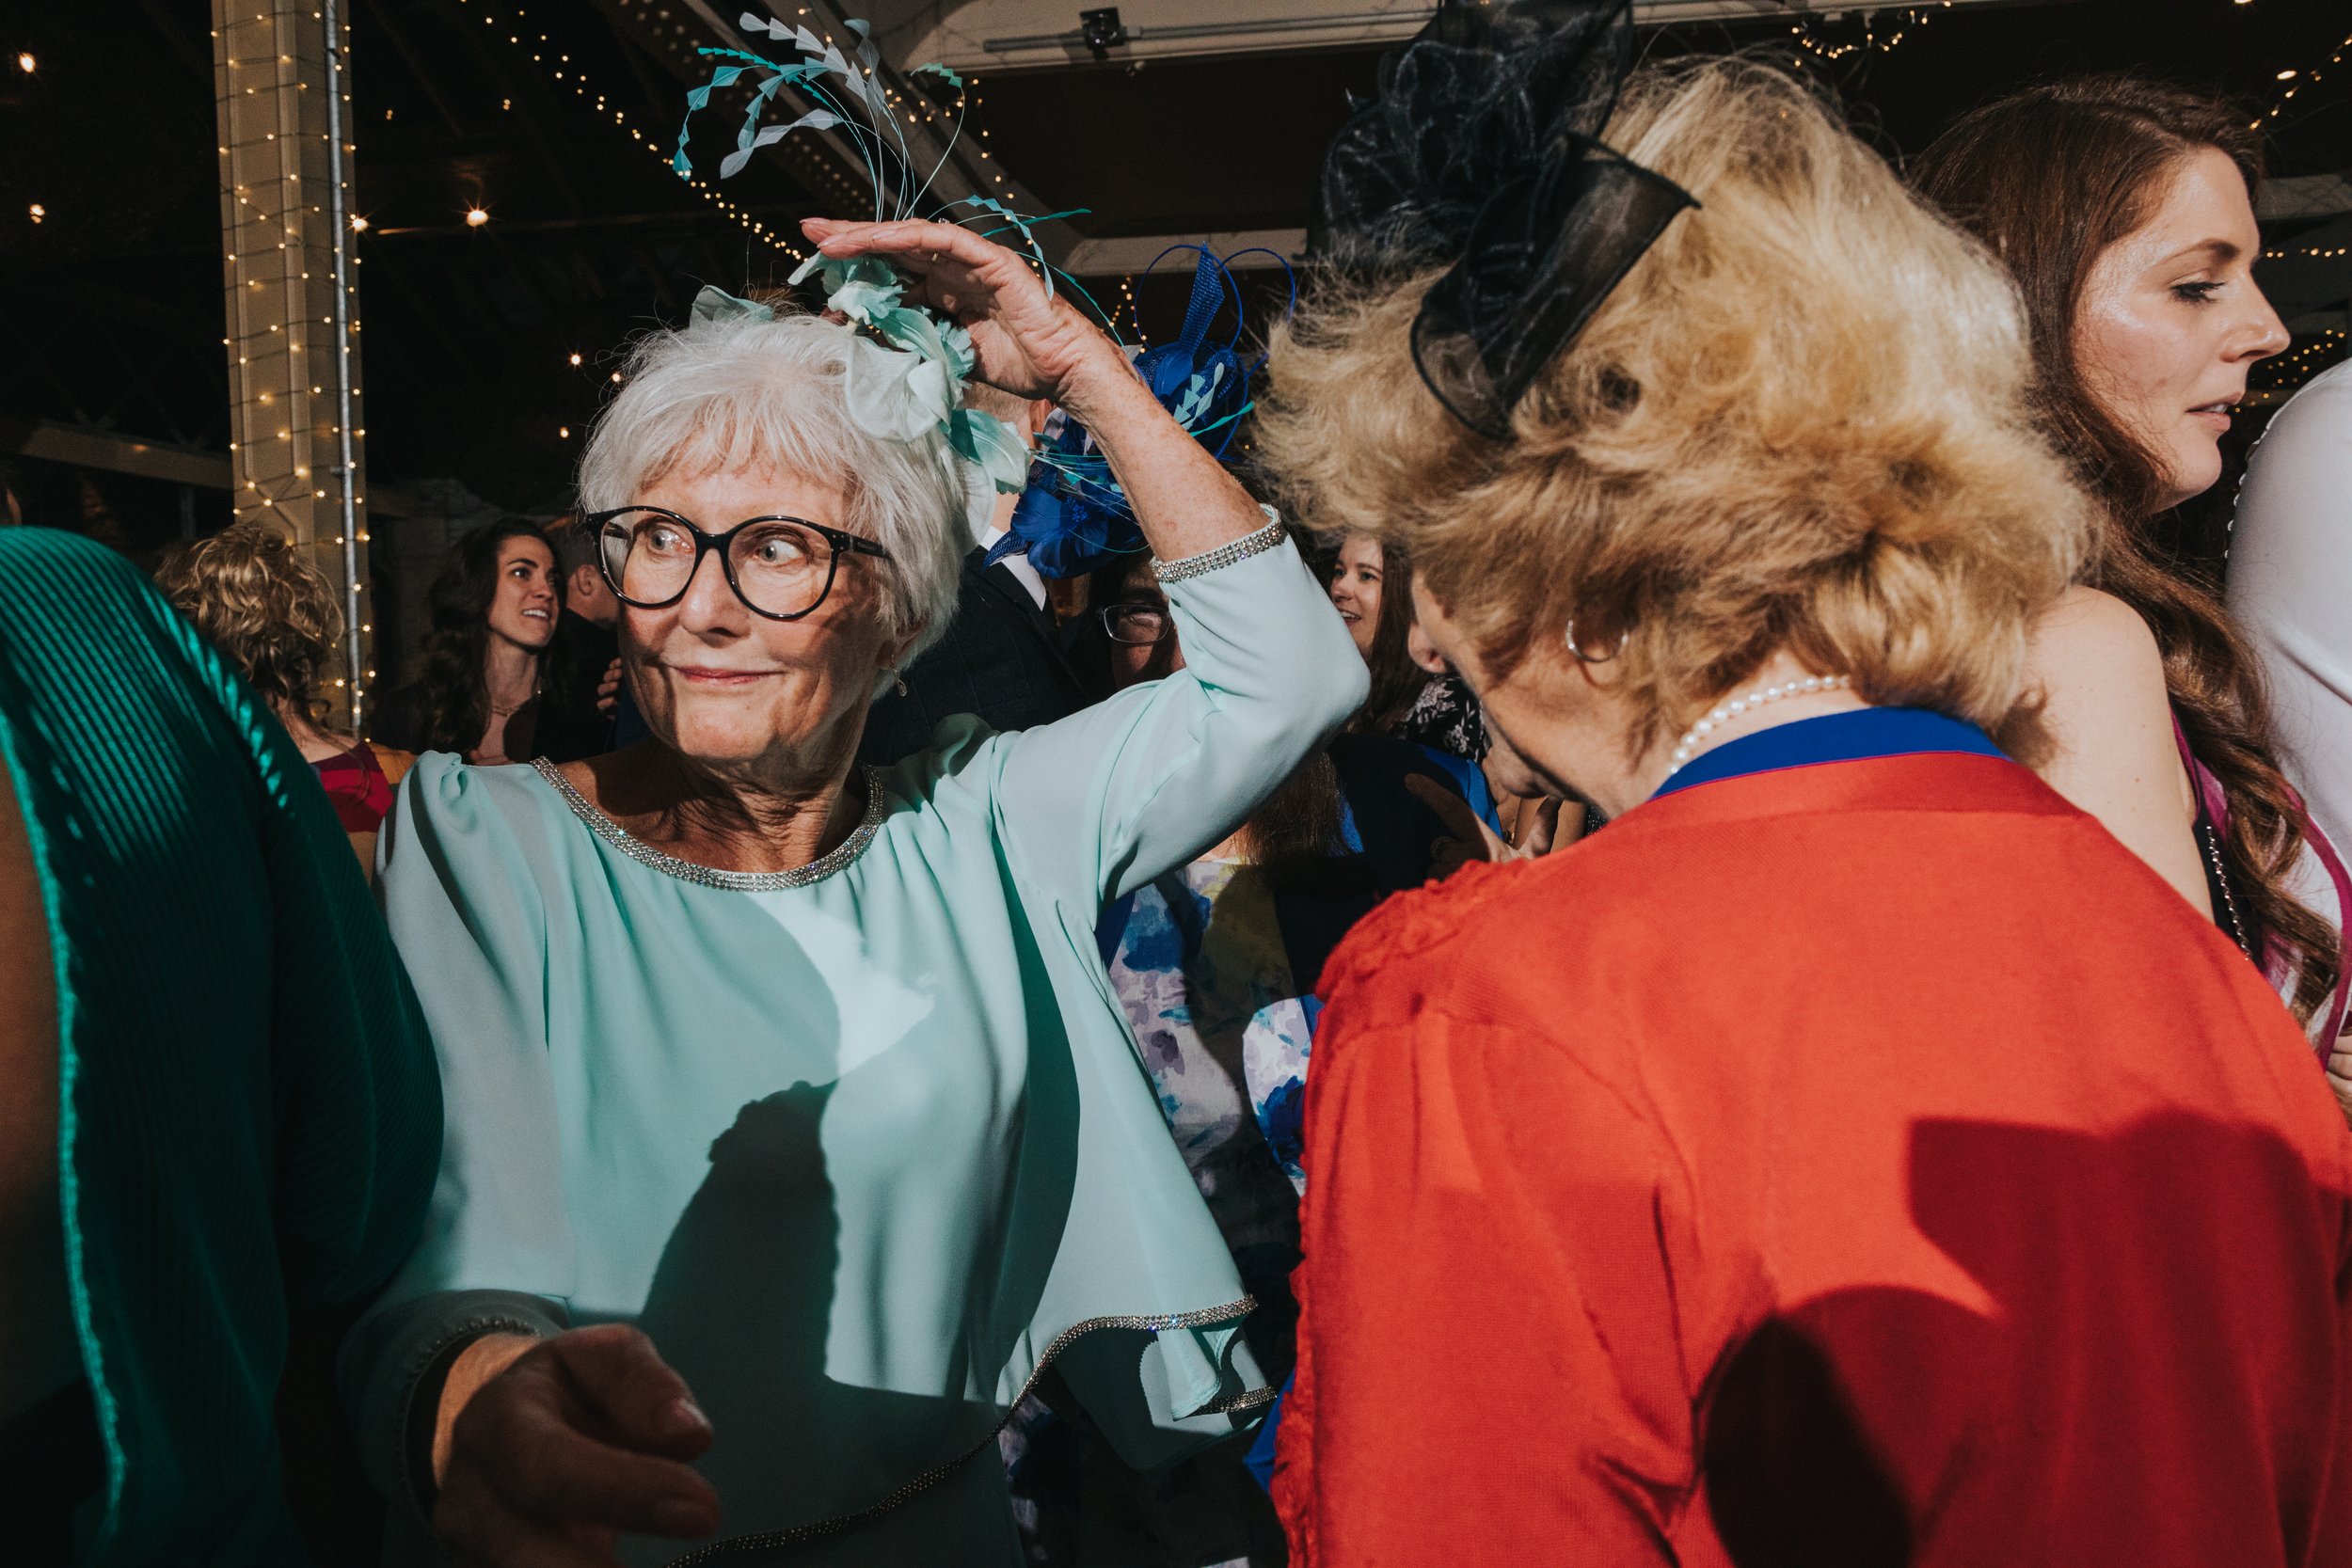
<point x="1479" y="153"/>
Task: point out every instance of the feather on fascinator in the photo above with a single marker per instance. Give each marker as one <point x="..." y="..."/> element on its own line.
<point x="1480" y="153"/>
<point x="907" y="366"/>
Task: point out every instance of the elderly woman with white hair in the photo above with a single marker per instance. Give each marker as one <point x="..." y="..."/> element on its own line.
<point x="793" y="1126"/>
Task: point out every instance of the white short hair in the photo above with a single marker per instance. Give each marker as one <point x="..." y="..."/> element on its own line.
<point x="744" y="393"/>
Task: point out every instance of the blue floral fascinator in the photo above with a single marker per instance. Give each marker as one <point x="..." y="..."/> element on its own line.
<point x="1073" y="517"/>
<point x="1480" y="153"/>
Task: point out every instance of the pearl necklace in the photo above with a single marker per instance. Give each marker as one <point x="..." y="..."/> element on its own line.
<point x="1738" y="706"/>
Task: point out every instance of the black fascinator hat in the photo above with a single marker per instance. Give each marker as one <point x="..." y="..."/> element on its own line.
<point x="1480" y="153"/>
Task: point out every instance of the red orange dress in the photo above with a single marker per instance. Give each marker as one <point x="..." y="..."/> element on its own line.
<point x="1854" y="1157"/>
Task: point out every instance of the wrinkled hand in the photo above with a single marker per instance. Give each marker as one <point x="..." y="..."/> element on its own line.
<point x="2340" y="1075"/>
<point x="1028" y="343"/>
<point x="1471" y="838"/>
<point x="609" y="690"/>
<point x="580" y="1438"/>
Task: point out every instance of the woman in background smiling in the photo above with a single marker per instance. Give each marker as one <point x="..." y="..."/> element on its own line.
<point x="494" y="604"/>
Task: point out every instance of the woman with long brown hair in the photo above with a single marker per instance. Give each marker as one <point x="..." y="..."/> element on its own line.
<point x="1371" y="584"/>
<point x="2123" y="209"/>
<point x="493" y="606"/>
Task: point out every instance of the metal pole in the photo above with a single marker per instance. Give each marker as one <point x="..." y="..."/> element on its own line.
<point x="346" y="465"/>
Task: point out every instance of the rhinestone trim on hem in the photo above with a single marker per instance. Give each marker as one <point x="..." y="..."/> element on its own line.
<point x="647" y="855"/>
<point x="1226" y="554"/>
<point x="770" y="1541"/>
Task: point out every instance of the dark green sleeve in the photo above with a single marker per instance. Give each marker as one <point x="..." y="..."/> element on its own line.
<point x="251" y="1110"/>
<point x="359" y="1092"/>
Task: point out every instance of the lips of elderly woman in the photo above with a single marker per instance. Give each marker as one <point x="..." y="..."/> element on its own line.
<point x="720" y="683"/>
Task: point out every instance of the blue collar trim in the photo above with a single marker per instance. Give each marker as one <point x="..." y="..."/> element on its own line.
<point x="1865" y="733"/>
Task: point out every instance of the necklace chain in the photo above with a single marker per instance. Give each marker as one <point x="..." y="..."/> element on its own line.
<point x="1723" y="714"/>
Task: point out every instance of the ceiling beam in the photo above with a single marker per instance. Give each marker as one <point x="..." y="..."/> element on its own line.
<point x="2310" y="195"/>
<point x="1118" y="258"/>
<point x="112" y="451"/>
<point x="1028" y="34"/>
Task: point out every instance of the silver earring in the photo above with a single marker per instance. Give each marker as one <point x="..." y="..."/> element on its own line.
<point x="1584" y="658"/>
<point x="901" y="681"/>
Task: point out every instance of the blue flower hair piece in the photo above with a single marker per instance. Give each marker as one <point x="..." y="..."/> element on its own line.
<point x="1074" y="517"/>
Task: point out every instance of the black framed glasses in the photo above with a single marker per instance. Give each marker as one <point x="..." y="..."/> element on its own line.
<point x="1135" y="625"/>
<point x="780" y="567"/>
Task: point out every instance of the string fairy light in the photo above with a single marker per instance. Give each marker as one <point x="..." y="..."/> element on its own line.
<point x="2295" y="81"/>
<point x="2291" y="370"/>
<point x="520" y="36"/>
<point x="1871" y="41"/>
<point x="267" y="246"/>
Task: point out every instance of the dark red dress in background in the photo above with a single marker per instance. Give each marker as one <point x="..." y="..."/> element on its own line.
<point x="358" y="784"/>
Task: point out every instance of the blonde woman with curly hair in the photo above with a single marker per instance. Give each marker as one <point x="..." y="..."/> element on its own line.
<point x="1839" y="1157"/>
<point x="276" y="617"/>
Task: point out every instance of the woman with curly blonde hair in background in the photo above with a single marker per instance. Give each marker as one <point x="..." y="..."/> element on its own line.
<point x="1836" y="1158"/>
<point x="276" y="617"/>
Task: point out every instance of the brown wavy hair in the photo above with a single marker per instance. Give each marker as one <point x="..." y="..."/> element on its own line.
<point x="2050" y="177"/>
<point x="1800" y="421"/>
<point x="270" y="611"/>
<point x="454" y="692"/>
<point x="1396" y="680"/>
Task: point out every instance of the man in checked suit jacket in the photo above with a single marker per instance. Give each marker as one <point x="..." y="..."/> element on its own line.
<point x="1001" y="658"/>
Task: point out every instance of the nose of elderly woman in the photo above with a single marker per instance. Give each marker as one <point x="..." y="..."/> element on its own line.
<point x="710" y="607"/>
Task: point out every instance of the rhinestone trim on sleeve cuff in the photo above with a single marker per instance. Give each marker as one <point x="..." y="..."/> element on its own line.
<point x="1226" y="554"/>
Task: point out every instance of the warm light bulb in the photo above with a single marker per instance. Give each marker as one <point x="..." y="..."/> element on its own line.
<point x="575" y="359"/>
<point x="40" y="212"/>
<point x="476" y="217"/>
<point x="26" y="64"/>
<point x="563" y="431"/>
<point x="358" y="224"/>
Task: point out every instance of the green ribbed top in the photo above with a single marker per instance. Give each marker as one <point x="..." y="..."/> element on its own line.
<point x="249" y="1112"/>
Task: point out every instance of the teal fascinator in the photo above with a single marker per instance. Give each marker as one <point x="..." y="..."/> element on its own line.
<point x="908" y="368"/>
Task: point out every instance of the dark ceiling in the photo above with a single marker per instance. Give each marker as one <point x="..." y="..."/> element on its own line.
<point x="110" y="311"/>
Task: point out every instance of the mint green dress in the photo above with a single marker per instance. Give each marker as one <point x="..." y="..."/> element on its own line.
<point x="864" y="1146"/>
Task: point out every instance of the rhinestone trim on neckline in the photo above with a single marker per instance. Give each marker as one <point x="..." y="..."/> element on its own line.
<point x="647" y="855"/>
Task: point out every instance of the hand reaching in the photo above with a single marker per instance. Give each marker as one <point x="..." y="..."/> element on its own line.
<point x="1028" y="343"/>
<point x="1470" y="839"/>
<point x="581" y="1437"/>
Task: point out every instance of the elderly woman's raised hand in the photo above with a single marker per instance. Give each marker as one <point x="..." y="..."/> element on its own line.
<point x="1029" y="342"/>
<point x="561" y="1447"/>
